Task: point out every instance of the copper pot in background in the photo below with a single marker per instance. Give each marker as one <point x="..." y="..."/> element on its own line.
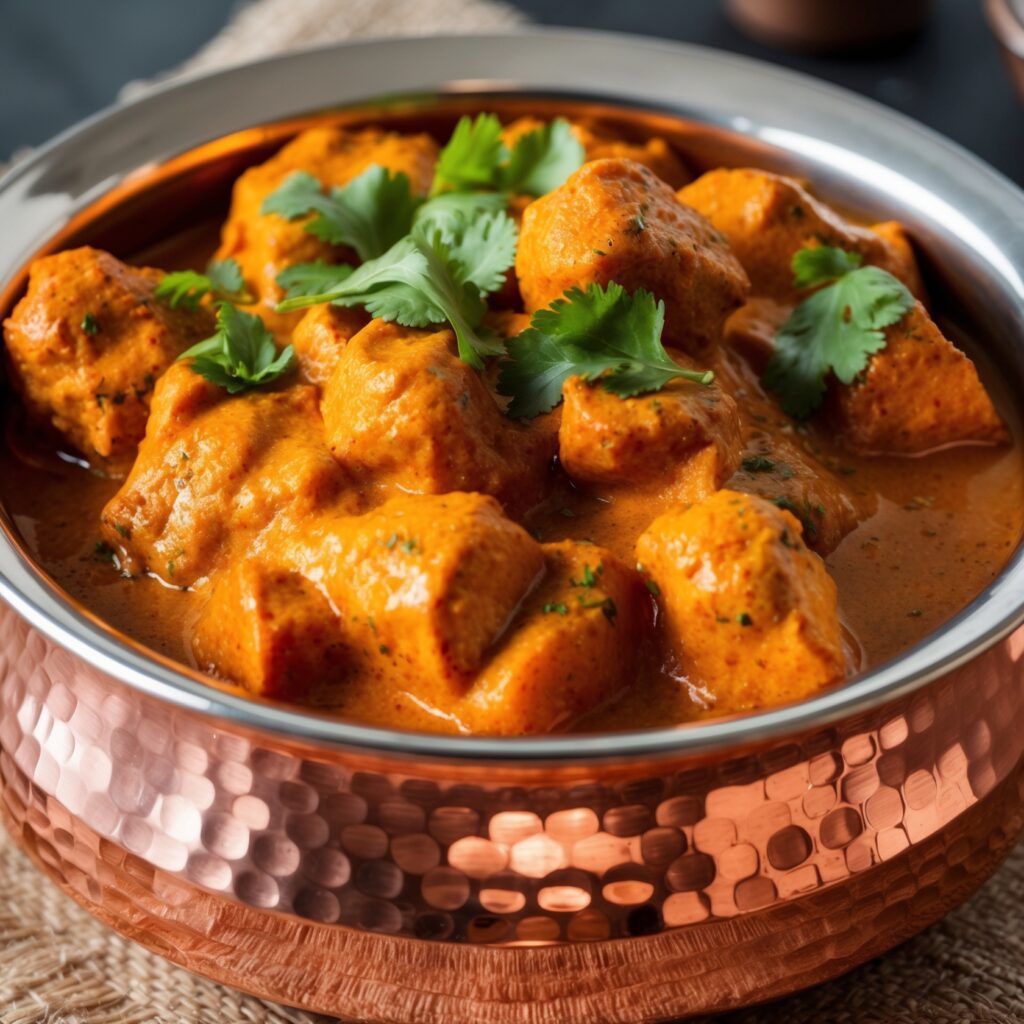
<point x="828" y="25"/>
<point x="1006" y="19"/>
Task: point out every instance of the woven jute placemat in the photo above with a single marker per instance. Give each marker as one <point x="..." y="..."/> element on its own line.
<point x="60" y="966"/>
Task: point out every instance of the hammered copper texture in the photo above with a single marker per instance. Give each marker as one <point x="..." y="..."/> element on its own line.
<point x="109" y="784"/>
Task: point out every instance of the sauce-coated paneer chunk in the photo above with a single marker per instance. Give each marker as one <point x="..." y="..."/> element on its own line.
<point x="270" y="630"/>
<point x="614" y="220"/>
<point x="424" y="584"/>
<point x="767" y="218"/>
<point x="404" y="413"/>
<point x="780" y="472"/>
<point x="215" y="469"/>
<point x="685" y="437"/>
<point x="919" y="392"/>
<point x="569" y="650"/>
<point x="87" y="343"/>
<point x="265" y="244"/>
<point x="750" y="613"/>
<point x="320" y="337"/>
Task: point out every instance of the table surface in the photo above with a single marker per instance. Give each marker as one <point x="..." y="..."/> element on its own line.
<point x="61" y="60"/>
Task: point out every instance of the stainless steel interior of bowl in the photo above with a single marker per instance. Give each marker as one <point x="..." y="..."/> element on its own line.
<point x="964" y="216"/>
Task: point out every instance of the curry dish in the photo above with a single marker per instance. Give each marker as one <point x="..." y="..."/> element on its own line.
<point x="521" y="430"/>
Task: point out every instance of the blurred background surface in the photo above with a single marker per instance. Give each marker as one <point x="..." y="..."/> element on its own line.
<point x="61" y="60"/>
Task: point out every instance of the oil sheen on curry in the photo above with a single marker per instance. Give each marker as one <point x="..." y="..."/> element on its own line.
<point x="522" y="430"/>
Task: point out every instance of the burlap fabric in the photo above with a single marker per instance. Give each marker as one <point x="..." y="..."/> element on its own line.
<point x="59" y="966"/>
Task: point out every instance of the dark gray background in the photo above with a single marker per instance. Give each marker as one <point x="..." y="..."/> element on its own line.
<point x="63" y="59"/>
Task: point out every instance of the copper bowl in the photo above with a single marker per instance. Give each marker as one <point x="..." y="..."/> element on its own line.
<point x="391" y="876"/>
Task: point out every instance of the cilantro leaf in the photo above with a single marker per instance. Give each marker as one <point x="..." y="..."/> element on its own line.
<point x="445" y="209"/>
<point x="312" y="278"/>
<point x="476" y="158"/>
<point x="836" y="329"/>
<point x="435" y="274"/>
<point x="225" y="277"/>
<point x="186" y="288"/>
<point x="602" y="334"/>
<point x="822" y="264"/>
<point x="369" y="214"/>
<point x="471" y="158"/>
<point x="541" y="160"/>
<point x="241" y="354"/>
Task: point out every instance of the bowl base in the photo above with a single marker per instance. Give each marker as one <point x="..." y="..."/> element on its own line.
<point x="383" y="978"/>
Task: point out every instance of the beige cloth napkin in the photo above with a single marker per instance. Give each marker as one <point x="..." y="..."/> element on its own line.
<point x="60" y="966"/>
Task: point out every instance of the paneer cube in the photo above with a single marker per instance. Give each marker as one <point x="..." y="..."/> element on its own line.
<point x="919" y="392"/>
<point x="265" y="244"/>
<point x="778" y="471"/>
<point x="570" y="650"/>
<point x="685" y="437"/>
<point x="767" y="218"/>
<point x="403" y="413"/>
<point x="214" y="470"/>
<point x="614" y="220"/>
<point x="749" y="612"/>
<point x="320" y="337"/>
<point x="425" y="585"/>
<point x="271" y="631"/>
<point x="87" y="344"/>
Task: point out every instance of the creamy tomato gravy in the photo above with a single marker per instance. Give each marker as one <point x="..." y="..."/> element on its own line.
<point x="945" y="525"/>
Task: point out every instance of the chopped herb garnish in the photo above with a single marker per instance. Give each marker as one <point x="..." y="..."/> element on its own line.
<point x="409" y="546"/>
<point x="384" y="649"/>
<point x="744" y="619"/>
<point x="185" y="288"/>
<point x="391" y="541"/>
<point x="653" y="587"/>
<point x="242" y="353"/>
<point x="758" y="464"/>
<point x="836" y="329"/>
<point x="104" y="552"/>
<point x="606" y="604"/>
<point x="432" y="275"/>
<point x="90" y="325"/>
<point x="603" y="335"/>
<point x="123" y="531"/>
<point x="557" y="607"/>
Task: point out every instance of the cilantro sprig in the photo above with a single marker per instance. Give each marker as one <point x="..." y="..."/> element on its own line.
<point x="834" y="330"/>
<point x="369" y="214"/>
<point x="601" y="334"/>
<point x="476" y="158"/>
<point x="475" y="173"/>
<point x="437" y="273"/>
<point x="241" y="354"/>
<point x="186" y="288"/>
